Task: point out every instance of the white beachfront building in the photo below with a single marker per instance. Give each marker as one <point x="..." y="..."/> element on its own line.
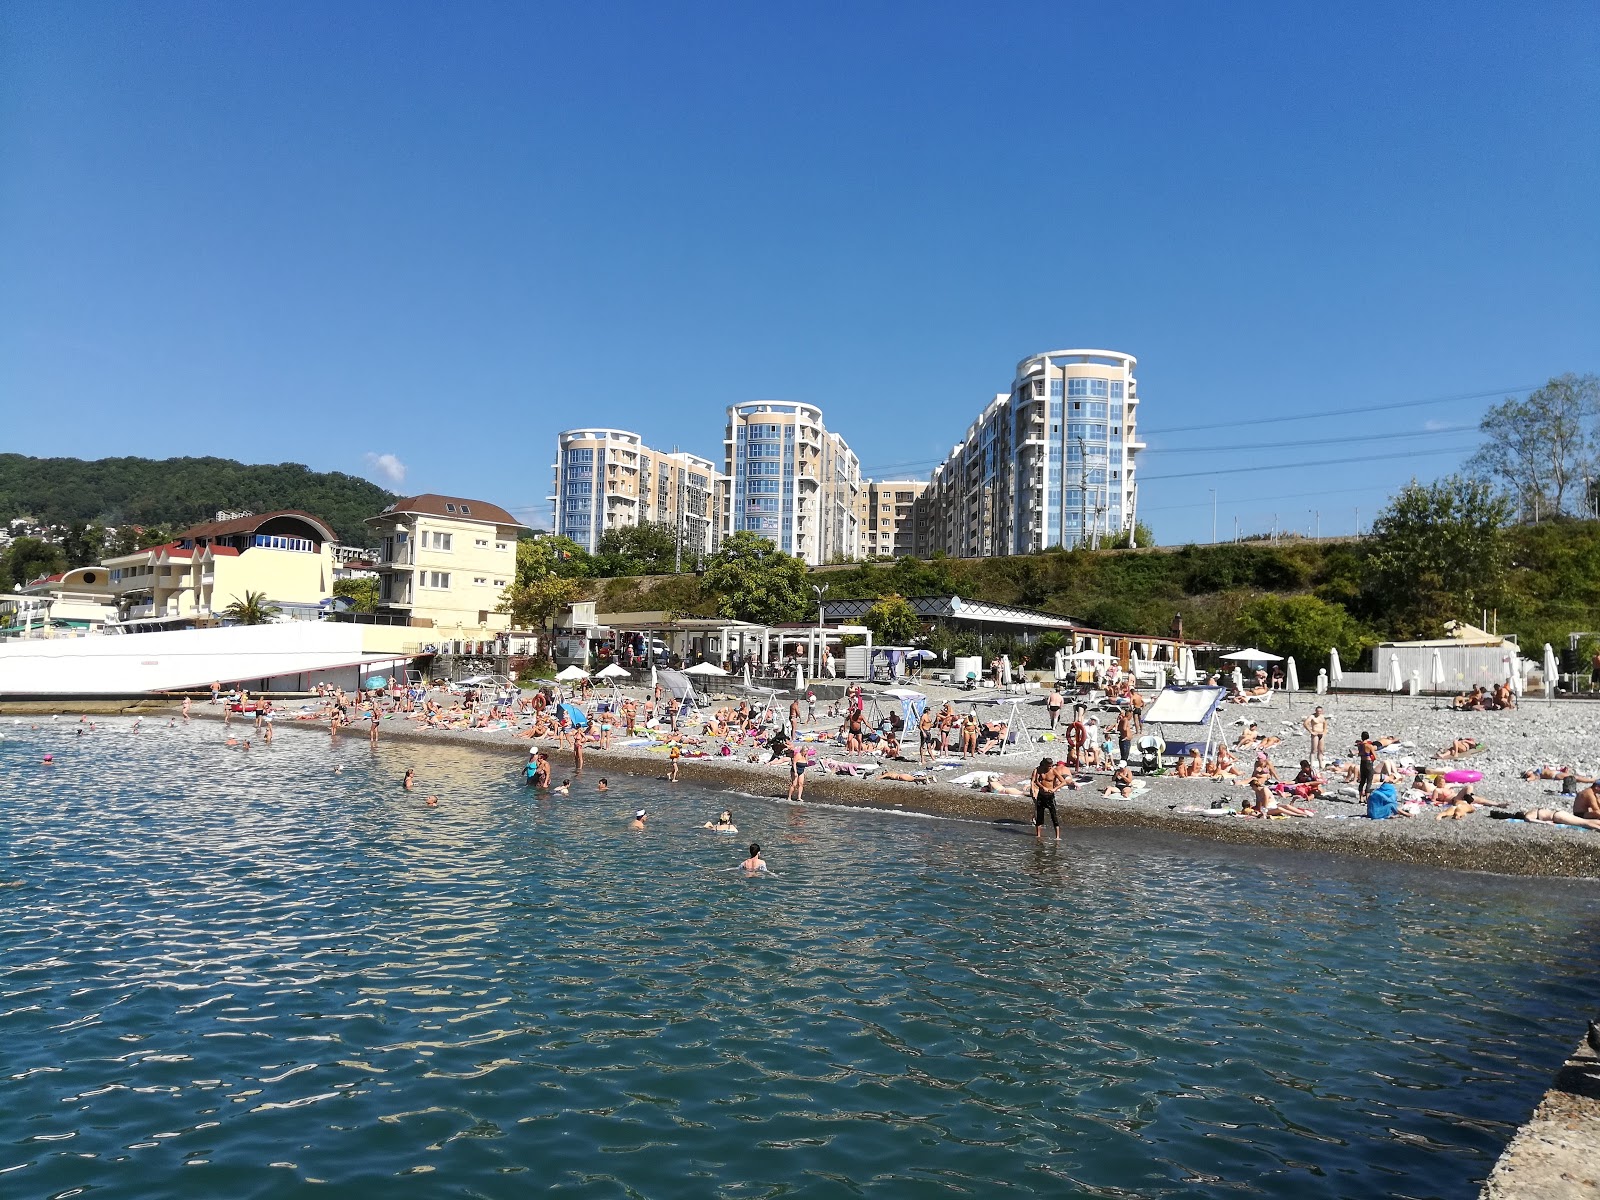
<point x="792" y="481"/>
<point x="609" y="479"/>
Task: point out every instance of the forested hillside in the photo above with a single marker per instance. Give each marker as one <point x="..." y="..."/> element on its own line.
<point x="179" y="491"/>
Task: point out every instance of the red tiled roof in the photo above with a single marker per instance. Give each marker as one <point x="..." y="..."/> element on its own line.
<point x="224" y="551"/>
<point x="430" y="504"/>
<point x="216" y="529"/>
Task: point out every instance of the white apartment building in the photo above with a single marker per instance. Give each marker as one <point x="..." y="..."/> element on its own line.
<point x="608" y="479"/>
<point x="791" y="481"/>
<point x="443" y="563"/>
<point x="1049" y="463"/>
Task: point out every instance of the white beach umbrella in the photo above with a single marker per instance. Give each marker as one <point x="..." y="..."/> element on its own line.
<point x="1291" y="681"/>
<point x="1519" y="675"/>
<point x="704" y="668"/>
<point x="1436" y="675"/>
<point x="1061" y="664"/>
<point x="799" y="679"/>
<point x="1251" y="654"/>
<point x="1005" y="670"/>
<point x="1550" y="673"/>
<point x="1322" y="681"/>
<point x="571" y="674"/>
<point x="748" y="681"/>
<point x="1133" y="667"/>
<point x="1396" y="682"/>
<point x="1335" y="671"/>
<point x="612" y="671"/>
<point x="653" y="683"/>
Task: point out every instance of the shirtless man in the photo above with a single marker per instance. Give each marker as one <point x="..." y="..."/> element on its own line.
<point x="1317" y="726"/>
<point x="755" y="864"/>
<point x="1586" y="804"/>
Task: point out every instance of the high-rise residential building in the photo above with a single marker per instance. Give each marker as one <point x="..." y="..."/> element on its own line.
<point x="1049" y="463"/>
<point x="884" y="514"/>
<point x="792" y="481"/>
<point x="608" y="479"/>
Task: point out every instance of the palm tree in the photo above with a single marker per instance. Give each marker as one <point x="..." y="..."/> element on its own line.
<point x="254" y="609"/>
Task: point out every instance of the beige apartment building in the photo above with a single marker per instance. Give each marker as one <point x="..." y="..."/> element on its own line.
<point x="791" y="481"/>
<point x="884" y="515"/>
<point x="286" y="556"/>
<point x="609" y="479"/>
<point x="443" y="563"/>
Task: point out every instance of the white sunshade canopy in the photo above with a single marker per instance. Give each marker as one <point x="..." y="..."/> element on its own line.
<point x="1090" y="656"/>
<point x="613" y="672"/>
<point x="704" y="668"/>
<point x="571" y="674"/>
<point x="1251" y="654"/>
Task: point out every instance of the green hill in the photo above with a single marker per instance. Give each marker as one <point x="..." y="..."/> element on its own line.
<point x="180" y="491"/>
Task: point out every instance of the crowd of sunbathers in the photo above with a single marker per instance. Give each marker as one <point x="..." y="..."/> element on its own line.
<point x="1482" y="699"/>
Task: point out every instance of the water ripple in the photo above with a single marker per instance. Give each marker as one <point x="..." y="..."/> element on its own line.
<point x="276" y="978"/>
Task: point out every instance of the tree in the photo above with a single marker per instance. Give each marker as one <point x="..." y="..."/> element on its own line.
<point x="253" y="609"/>
<point x="1305" y="627"/>
<point x="362" y="593"/>
<point x="30" y="558"/>
<point x="892" y="620"/>
<point x="1142" y="537"/>
<point x="1437" y="552"/>
<point x="647" y="549"/>
<point x="551" y="555"/>
<point x="83" y="544"/>
<point x="755" y="581"/>
<point x="534" y="604"/>
<point x="1541" y="447"/>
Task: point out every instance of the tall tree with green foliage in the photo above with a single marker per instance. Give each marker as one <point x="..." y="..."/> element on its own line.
<point x="253" y="608"/>
<point x="755" y="581"/>
<point x="647" y="549"/>
<point x="1542" y="449"/>
<point x="551" y="555"/>
<point x="363" y="593"/>
<point x="892" y="620"/>
<point x="83" y="544"/>
<point x="1305" y="627"/>
<point x="1436" y="553"/>
<point x="27" y="559"/>
<point x="533" y="604"/>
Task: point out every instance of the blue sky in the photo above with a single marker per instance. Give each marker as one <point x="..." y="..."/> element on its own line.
<point x="328" y="233"/>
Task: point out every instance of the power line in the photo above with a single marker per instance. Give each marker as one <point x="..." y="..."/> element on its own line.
<point x="1231" y="448"/>
<point x="1349" y="412"/>
<point x="1297" y="466"/>
<point x="1206" y="503"/>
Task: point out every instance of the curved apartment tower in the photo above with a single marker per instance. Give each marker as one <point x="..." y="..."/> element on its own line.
<point x="791" y="481"/>
<point x="1049" y="463"/>
<point x="608" y="479"/>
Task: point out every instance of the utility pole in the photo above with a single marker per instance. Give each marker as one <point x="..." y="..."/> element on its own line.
<point x="1213" y="492"/>
<point x="1358" y="520"/>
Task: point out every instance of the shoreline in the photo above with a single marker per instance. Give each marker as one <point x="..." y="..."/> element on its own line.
<point x="1514" y="849"/>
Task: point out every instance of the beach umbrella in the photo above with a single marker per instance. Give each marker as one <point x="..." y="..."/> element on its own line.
<point x="1335" y="671"/>
<point x="1061" y="664"/>
<point x="653" y="684"/>
<point x="1291" y="680"/>
<point x="571" y="674"/>
<point x="576" y="715"/>
<point x="749" y="681"/>
<point x="1133" y="667"/>
<point x="1251" y="654"/>
<point x="1395" y="680"/>
<point x="704" y="668"/>
<point x="1436" y="675"/>
<point x="1089" y="656"/>
<point x="1550" y="674"/>
<point x="799" y="679"/>
<point x="612" y="671"/>
<point x="1005" y="670"/>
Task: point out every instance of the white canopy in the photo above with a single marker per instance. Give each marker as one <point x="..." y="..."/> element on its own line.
<point x="1251" y="654"/>
<point x="1335" y="669"/>
<point x="1291" y="681"/>
<point x="704" y="668"/>
<point x="1551" y="672"/>
<point x="612" y="671"/>
<point x="571" y="674"/>
<point x="1090" y="656"/>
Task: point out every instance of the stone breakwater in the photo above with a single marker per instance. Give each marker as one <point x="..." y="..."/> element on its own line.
<point x="1560" y="735"/>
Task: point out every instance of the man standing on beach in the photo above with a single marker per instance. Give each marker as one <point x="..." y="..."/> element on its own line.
<point x="1317" y="726"/>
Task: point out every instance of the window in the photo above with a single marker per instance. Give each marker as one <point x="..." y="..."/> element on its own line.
<point x="1077" y="387"/>
<point x="481" y="542"/>
<point x="501" y="547"/>
<point x="904" y="497"/>
<point x="441" y="541"/>
<point x="1055" y="387"/>
<point x="1038" y="387"/>
<point x="434" y="579"/>
<point x="465" y="511"/>
<point x="1116" y="390"/>
<point x="499" y="583"/>
<point x="1098" y="387"/>
<point x="575" y="456"/>
<point x="449" y="507"/>
<point x="1097" y="410"/>
<point x="481" y="580"/>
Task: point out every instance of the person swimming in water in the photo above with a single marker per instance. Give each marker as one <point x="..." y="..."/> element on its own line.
<point x="563" y="788"/>
<point x="723" y="823"/>
<point x="602" y="786"/>
<point x="755" y="864"/>
<point x="410" y="781"/>
<point x="638" y="820"/>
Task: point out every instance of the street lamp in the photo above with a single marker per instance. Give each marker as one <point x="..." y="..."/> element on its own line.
<point x="822" y="640"/>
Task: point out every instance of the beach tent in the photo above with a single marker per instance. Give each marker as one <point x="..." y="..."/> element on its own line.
<point x="613" y="672"/>
<point x="575" y="714"/>
<point x="1193" y="711"/>
<point x="1291" y="679"/>
<point x="911" y="704"/>
<point x="571" y="674"/>
<point x="1251" y="655"/>
<point x="704" y="668"/>
<point x="1395" y="682"/>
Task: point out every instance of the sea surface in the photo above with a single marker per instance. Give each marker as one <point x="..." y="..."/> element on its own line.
<point x="231" y="974"/>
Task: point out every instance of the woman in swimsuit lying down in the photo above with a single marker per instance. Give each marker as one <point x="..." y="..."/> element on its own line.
<point x="1460" y="747"/>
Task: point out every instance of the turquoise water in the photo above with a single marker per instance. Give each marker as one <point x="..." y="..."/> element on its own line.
<point x="245" y="976"/>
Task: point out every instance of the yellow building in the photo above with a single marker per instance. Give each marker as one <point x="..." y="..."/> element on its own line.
<point x="884" y="512"/>
<point x="286" y="556"/>
<point x="443" y="563"/>
<point x="72" y="602"/>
